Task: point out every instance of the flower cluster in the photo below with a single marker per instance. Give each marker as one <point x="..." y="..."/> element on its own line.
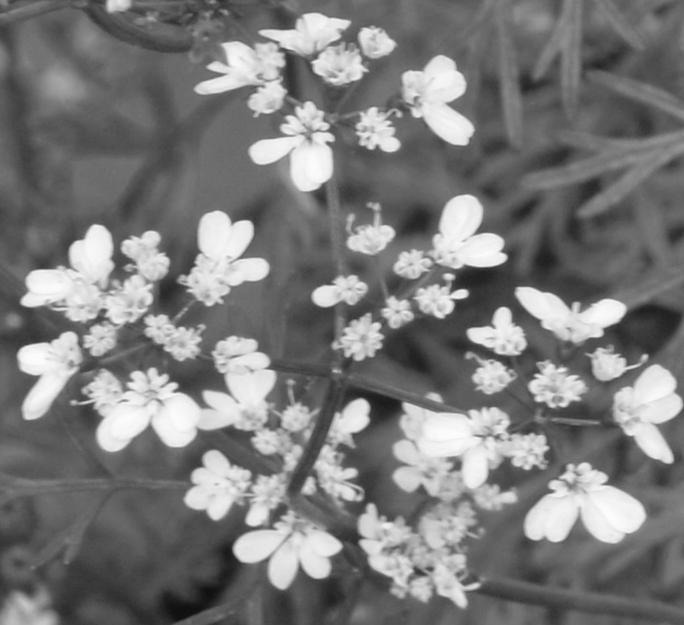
<point x="307" y="130"/>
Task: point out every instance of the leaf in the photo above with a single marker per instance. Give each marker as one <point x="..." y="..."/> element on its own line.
<point x="571" y="56"/>
<point x="640" y="92"/>
<point x="553" y="45"/>
<point x="509" y="76"/>
<point x="652" y="229"/>
<point x="627" y="183"/>
<point x="619" y="23"/>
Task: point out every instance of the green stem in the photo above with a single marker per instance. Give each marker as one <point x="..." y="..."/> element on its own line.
<point x="336" y="225"/>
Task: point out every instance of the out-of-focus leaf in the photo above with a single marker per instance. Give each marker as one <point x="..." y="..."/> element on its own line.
<point x="628" y="182"/>
<point x="640" y="92"/>
<point x="651" y="285"/>
<point x="509" y="76"/>
<point x="553" y="45"/>
<point x="571" y="56"/>
<point x="619" y="23"/>
<point x="652" y="229"/>
<point x="11" y="15"/>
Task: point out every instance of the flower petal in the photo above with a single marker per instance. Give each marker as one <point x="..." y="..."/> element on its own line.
<point x="621" y="510"/>
<point x="551" y="518"/>
<point x="461" y="217"/>
<point x="326" y="296"/>
<point x="257" y="545"/>
<point x="604" y="313"/>
<point x="323" y="543"/>
<point x="126" y="420"/>
<point x="311" y="164"/>
<point x="407" y="478"/>
<point x="652" y="443"/>
<point x="35" y="359"/>
<point x="43" y="394"/>
<point x="483" y="250"/>
<point x="314" y="565"/>
<point x="283" y="566"/>
<point x="597" y="524"/>
<point x="448" y="124"/>
<point x="213" y="233"/>
<point x="253" y="387"/>
<point x="662" y="410"/>
<point x="654" y="383"/>
<point x="269" y="151"/>
<point x="543" y="306"/>
<point x="475" y="468"/>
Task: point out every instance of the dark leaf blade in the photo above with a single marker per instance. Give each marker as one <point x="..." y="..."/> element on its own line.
<point x="509" y="77"/>
<point x="619" y="24"/>
<point x="640" y="92"/>
<point x="571" y="57"/>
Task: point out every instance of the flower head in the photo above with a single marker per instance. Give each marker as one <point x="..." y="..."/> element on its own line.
<point x="638" y="409"/>
<point x="370" y="239"/>
<point x="306" y="141"/>
<point x="375" y="130"/>
<point x="375" y="42"/>
<point x="347" y="289"/>
<point x="55" y="363"/>
<point x="457" y="245"/>
<point x="607" y="512"/>
<point x="311" y="34"/>
<point x="427" y="93"/>
<point x="291" y="544"/>
<point x="503" y="337"/>
<point x="361" y="339"/>
<point x="236" y="354"/>
<point x="150" y="399"/>
<point x="339" y="65"/>
<point x="569" y="323"/>
<point x="555" y="387"/>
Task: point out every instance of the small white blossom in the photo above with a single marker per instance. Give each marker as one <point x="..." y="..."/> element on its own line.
<point x="218" y="485"/>
<point x="478" y="438"/>
<point x="439" y="300"/>
<point x="150" y="263"/>
<point x="554" y="386"/>
<point x="311" y="34"/>
<point x="267" y="99"/>
<point x="118" y="6"/>
<point x="339" y="65"/>
<point x="150" y="400"/>
<point x="606" y="365"/>
<point x="184" y="343"/>
<point x="268" y="492"/>
<point x="296" y="417"/>
<point x="651" y="401"/>
<point x="306" y="141"/>
<point x="375" y="42"/>
<point x="244" y="66"/>
<point x="104" y="391"/>
<point x="158" y="328"/>
<point x="607" y="512"/>
<point x="412" y="264"/>
<point x="491" y="376"/>
<point x="370" y="239"/>
<point x="291" y="544"/>
<point x="361" y="339"/>
<point x="527" y="451"/>
<point x="427" y="93"/>
<point x="570" y="324"/>
<point x="397" y="312"/>
<point x="503" y="337"/>
<point x="55" y="363"/>
<point x="129" y="301"/>
<point x="353" y="418"/>
<point x="101" y="338"/>
<point x="245" y="408"/>
<point x="236" y="354"/>
<point x="19" y="608"/>
<point x="457" y="245"/>
<point x="421" y="470"/>
<point x="375" y="130"/>
<point x="347" y="289"/>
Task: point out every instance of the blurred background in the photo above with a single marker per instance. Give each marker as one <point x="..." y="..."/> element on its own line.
<point x="578" y="107"/>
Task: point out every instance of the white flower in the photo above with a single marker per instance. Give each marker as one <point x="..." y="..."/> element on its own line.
<point x="55" y="363"/>
<point x="218" y="268"/>
<point x="100" y="339"/>
<point x="569" y="324"/>
<point x="91" y="256"/>
<point x="267" y="99"/>
<point x="606" y="365"/>
<point x="217" y="485"/>
<point x="347" y="289"/>
<point x="527" y="451"/>
<point x="370" y="239"/>
<point x="353" y="418"/>
<point x="375" y="42"/>
<point x="307" y="136"/>
<point x="491" y="376"/>
<point x="554" y="387"/>
<point x="427" y="94"/>
<point x="457" y="245"/>
<point x="339" y="65"/>
<point x="150" y="263"/>
<point x="361" y="339"/>
<point x="129" y="301"/>
<point x="397" y="312"/>
<point x="638" y="409"/>
<point x="104" y="391"/>
<point x="438" y="300"/>
<point x="607" y="512"/>
<point x="118" y="6"/>
<point x="292" y="543"/>
<point x="412" y="264"/>
<point x="422" y="470"/>
<point x="503" y="337"/>
<point x="150" y="399"/>
<point x="19" y="608"/>
<point x="236" y="354"/>
<point x="476" y="438"/>
<point x="245" y="408"/>
<point x="375" y="130"/>
<point x="312" y="33"/>
<point x="244" y="66"/>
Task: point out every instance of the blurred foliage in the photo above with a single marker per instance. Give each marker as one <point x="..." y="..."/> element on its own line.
<point x="577" y="159"/>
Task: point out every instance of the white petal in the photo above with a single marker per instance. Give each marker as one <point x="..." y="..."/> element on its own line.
<point x="283" y="566"/>
<point x="448" y="124"/>
<point x="475" y="467"/>
<point x="355" y="417"/>
<point x="269" y="151"/>
<point x="662" y="410"/>
<point x="46" y="286"/>
<point x="407" y="478"/>
<point x="543" y="306"/>
<point x="181" y="411"/>
<point x="552" y="518"/>
<point x="323" y="544"/>
<point x="314" y="565"/>
<point x="253" y="387"/>
<point x="196" y="498"/>
<point x="126" y="421"/>
<point x="622" y="511"/>
<point x="219" y="507"/>
<point x="240" y="236"/>
<point x="257" y="545"/>
<point x="326" y="296"/>
<point x="247" y="270"/>
<point x="91" y="256"/>
<point x="35" y="359"/>
<point x="405" y="451"/>
<point x="213" y="234"/>
<point x="311" y="165"/>
<point x="461" y="217"/>
<point x="481" y="336"/>
<point x="597" y="524"/>
<point x="216" y="462"/>
<point x="654" y="383"/>
<point x="171" y="435"/>
<point x="604" y="313"/>
<point x="220" y="84"/>
<point x="43" y="394"/>
<point x="106" y="440"/>
<point x="652" y="443"/>
<point x="483" y="250"/>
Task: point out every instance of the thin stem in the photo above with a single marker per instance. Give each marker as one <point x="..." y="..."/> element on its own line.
<point x="336" y="225"/>
<point x="594" y="603"/>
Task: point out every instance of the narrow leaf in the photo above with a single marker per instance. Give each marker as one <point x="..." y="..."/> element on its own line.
<point x="640" y="92"/>
<point x="571" y="56"/>
<point x="553" y="45"/>
<point x="619" y="23"/>
<point x="652" y="229"/>
<point x="509" y="76"/>
<point x="627" y="183"/>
